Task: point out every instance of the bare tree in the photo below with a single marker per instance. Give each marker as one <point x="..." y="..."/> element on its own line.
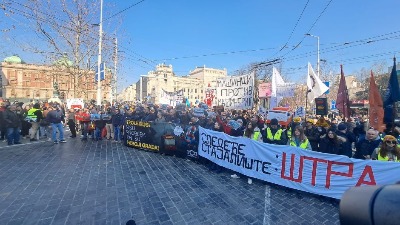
<point x="66" y="30"/>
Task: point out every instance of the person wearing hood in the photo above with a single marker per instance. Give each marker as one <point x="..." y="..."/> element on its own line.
<point x="388" y="150"/>
<point x="274" y="134"/>
<point x="348" y="139"/>
<point x="365" y="147"/>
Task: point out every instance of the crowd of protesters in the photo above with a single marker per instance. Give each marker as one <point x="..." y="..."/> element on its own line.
<point x="351" y="138"/>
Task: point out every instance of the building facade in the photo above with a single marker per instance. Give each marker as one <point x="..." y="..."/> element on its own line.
<point x="25" y="82"/>
<point x="128" y="94"/>
<point x="150" y="86"/>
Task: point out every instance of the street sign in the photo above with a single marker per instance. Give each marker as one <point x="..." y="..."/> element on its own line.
<point x="102" y="67"/>
<point x="333" y="104"/>
<point x="327" y="84"/>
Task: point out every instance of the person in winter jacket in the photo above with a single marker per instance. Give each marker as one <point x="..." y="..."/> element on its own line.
<point x="330" y="143"/>
<point x="312" y="134"/>
<point x="12" y="124"/>
<point x="348" y="138"/>
<point x="365" y="147"/>
<point x="274" y="134"/>
<point x="55" y="116"/>
<point x="117" y="121"/>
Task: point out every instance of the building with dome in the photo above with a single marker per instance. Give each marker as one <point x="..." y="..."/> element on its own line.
<point x="24" y="82"/>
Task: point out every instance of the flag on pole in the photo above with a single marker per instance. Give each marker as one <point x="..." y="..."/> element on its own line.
<point x="276" y="80"/>
<point x="392" y="95"/>
<point x="342" y="100"/>
<point x="375" y="105"/>
<point x="314" y="85"/>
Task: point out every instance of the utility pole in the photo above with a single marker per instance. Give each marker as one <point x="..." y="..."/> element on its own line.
<point x="99" y="56"/>
<point x="113" y="93"/>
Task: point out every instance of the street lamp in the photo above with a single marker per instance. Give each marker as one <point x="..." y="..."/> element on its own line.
<point x="317" y="51"/>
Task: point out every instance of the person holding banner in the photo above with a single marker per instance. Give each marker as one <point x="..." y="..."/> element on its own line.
<point x="365" y="147"/>
<point x="299" y="139"/>
<point x="330" y="143"/>
<point x="312" y="134"/>
<point x="388" y="150"/>
<point x="252" y="132"/>
<point x="274" y="134"/>
<point x="213" y="166"/>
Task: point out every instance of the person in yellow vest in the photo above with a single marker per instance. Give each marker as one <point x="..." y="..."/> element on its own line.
<point x="34" y="116"/>
<point x="299" y="139"/>
<point x="388" y="150"/>
<point x="253" y="132"/>
<point x="274" y="134"/>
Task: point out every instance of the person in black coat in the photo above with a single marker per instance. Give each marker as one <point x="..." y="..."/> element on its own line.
<point x="365" y="147"/>
<point x="312" y="134"/>
<point x="3" y="128"/>
<point x="13" y="124"/>
<point x="330" y="143"/>
<point x="117" y="122"/>
<point x="348" y="138"/>
<point x="211" y="165"/>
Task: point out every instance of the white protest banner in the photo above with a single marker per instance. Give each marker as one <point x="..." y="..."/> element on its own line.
<point x="171" y="98"/>
<point x="279" y="115"/>
<point x="285" y="90"/>
<point x="314" y="172"/>
<point x="236" y="92"/>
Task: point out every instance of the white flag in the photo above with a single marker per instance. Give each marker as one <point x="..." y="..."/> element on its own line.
<point x="276" y="81"/>
<point x="315" y="85"/>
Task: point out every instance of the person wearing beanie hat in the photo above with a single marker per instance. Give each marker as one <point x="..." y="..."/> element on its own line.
<point x="274" y="134"/>
<point x="388" y="150"/>
<point x="342" y="127"/>
<point x="273" y="122"/>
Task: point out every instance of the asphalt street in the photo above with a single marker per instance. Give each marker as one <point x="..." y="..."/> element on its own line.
<point x="103" y="182"/>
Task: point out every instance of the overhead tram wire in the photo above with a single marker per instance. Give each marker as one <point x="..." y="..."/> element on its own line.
<point x="215" y="54"/>
<point x="135" y="4"/>
<point x="138" y="55"/>
<point x="25" y="14"/>
<point x="45" y="13"/>
<point x="331" y="49"/>
<point x="294" y="28"/>
<point x="309" y="30"/>
<point x="43" y="20"/>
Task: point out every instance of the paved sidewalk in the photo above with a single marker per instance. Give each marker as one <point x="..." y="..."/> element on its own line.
<point x="108" y="183"/>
